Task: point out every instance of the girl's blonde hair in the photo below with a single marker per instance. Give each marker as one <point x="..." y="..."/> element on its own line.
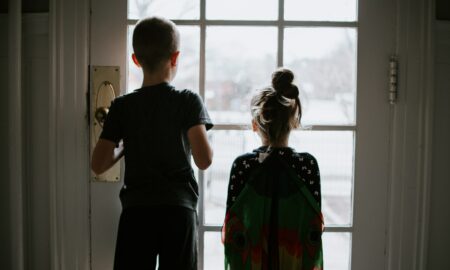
<point x="277" y="109"/>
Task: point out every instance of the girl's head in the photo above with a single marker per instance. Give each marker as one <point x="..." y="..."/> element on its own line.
<point x="277" y="110"/>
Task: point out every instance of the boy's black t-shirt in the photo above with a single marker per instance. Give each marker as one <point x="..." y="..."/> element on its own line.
<point x="153" y="122"/>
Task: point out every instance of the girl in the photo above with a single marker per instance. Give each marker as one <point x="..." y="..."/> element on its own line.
<point x="273" y="218"/>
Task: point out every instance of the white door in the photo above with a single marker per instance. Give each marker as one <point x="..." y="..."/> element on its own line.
<point x="339" y="51"/>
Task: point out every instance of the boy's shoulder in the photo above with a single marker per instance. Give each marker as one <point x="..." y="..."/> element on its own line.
<point x="188" y="93"/>
<point x="118" y="101"/>
<point x="170" y="90"/>
<point x="189" y="98"/>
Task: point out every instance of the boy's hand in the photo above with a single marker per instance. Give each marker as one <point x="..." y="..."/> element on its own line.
<point x="119" y="150"/>
<point x="201" y="150"/>
<point x="105" y="155"/>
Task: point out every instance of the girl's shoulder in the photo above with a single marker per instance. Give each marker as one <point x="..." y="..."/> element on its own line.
<point x="306" y="160"/>
<point x="304" y="157"/>
<point x="245" y="159"/>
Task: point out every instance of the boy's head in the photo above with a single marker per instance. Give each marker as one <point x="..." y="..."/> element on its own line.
<point x="155" y="41"/>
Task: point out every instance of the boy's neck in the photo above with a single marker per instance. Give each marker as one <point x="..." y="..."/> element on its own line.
<point x="156" y="78"/>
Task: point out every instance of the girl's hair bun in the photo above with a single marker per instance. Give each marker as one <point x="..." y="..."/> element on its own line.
<point x="282" y="83"/>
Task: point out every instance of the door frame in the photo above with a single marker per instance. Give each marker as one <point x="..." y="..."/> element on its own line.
<point x="410" y="137"/>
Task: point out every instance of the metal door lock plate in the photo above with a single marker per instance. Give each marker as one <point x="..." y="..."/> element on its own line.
<point x="104" y="87"/>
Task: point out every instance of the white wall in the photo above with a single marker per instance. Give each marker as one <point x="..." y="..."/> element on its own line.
<point x="439" y="228"/>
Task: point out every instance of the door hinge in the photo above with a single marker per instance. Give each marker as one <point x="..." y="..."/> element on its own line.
<point x="393" y="79"/>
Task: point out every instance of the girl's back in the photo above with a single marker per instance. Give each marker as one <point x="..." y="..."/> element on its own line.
<point x="273" y="218"/>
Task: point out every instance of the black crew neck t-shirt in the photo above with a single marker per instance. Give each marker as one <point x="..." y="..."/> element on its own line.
<point x="153" y="122"/>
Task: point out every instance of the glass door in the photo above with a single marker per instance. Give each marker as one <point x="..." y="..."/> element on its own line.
<point x="229" y="50"/>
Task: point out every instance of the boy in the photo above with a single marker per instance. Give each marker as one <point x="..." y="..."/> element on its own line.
<point x="159" y="127"/>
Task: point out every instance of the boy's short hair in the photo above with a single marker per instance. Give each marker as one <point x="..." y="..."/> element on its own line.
<point x="155" y="39"/>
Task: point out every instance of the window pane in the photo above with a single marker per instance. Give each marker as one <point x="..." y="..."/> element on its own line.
<point x="171" y="9"/>
<point x="188" y="70"/>
<point x="242" y="10"/>
<point x="238" y="61"/>
<point x="134" y="79"/>
<point x="332" y="149"/>
<point x="227" y="146"/>
<point x="334" y="152"/>
<point x="336" y="249"/>
<point x="320" y="10"/>
<point x="214" y="257"/>
<point x="324" y="61"/>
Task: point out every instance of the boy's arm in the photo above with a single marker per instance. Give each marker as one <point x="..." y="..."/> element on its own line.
<point x="201" y="150"/>
<point x="105" y="155"/>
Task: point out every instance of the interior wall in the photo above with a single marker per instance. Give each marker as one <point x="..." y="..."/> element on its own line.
<point x="4" y="7"/>
<point x="35" y="84"/>
<point x="35" y="77"/>
<point x="443" y="10"/>
<point x="28" y="6"/>
<point x="35" y="6"/>
<point x="439" y="234"/>
<point x="4" y="184"/>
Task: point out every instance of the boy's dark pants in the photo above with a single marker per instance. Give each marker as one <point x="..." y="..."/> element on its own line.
<point x="169" y="232"/>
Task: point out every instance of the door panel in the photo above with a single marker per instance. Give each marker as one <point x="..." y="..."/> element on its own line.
<point x="108" y="48"/>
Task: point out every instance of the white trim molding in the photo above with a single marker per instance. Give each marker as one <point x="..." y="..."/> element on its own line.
<point x="15" y="136"/>
<point x="426" y="133"/>
<point x="411" y="138"/>
<point x="68" y="134"/>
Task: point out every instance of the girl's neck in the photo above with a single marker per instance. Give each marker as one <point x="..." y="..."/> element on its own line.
<point x="281" y="144"/>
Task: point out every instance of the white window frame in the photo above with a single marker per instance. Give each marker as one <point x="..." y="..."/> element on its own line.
<point x="281" y="24"/>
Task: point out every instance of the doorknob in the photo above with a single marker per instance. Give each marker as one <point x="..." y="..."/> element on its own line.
<point x="103" y="97"/>
<point x="100" y="115"/>
<point x="104" y="85"/>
